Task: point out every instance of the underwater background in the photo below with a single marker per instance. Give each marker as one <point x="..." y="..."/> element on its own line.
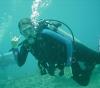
<point x="83" y="17"/>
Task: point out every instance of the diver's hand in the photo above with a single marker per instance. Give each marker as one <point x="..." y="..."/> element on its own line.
<point x="15" y="41"/>
<point x="68" y="72"/>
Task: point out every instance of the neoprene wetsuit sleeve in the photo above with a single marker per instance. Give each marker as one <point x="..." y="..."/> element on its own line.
<point x="20" y="55"/>
<point x="67" y="41"/>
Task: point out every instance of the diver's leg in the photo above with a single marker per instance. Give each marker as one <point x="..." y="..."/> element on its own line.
<point x="51" y="69"/>
<point x="61" y="68"/>
<point x="84" y="53"/>
<point x="42" y="66"/>
<point x="81" y="76"/>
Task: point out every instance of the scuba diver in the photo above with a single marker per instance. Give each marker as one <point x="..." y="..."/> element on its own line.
<point x="54" y="48"/>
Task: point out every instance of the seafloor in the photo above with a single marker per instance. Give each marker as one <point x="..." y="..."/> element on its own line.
<point x="46" y="81"/>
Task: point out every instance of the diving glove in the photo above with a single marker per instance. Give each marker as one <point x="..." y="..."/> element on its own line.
<point x="15" y="41"/>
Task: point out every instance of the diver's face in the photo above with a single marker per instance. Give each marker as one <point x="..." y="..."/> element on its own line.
<point x="27" y="31"/>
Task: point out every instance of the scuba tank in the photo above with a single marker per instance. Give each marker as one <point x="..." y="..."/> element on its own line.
<point x="62" y="23"/>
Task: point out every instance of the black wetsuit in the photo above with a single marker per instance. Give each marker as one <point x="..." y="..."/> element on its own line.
<point x="45" y="50"/>
<point x="48" y="50"/>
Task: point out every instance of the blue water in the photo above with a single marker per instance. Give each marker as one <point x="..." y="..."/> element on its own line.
<point x="83" y="16"/>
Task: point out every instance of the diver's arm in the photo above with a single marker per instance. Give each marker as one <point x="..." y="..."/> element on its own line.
<point x="20" y="55"/>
